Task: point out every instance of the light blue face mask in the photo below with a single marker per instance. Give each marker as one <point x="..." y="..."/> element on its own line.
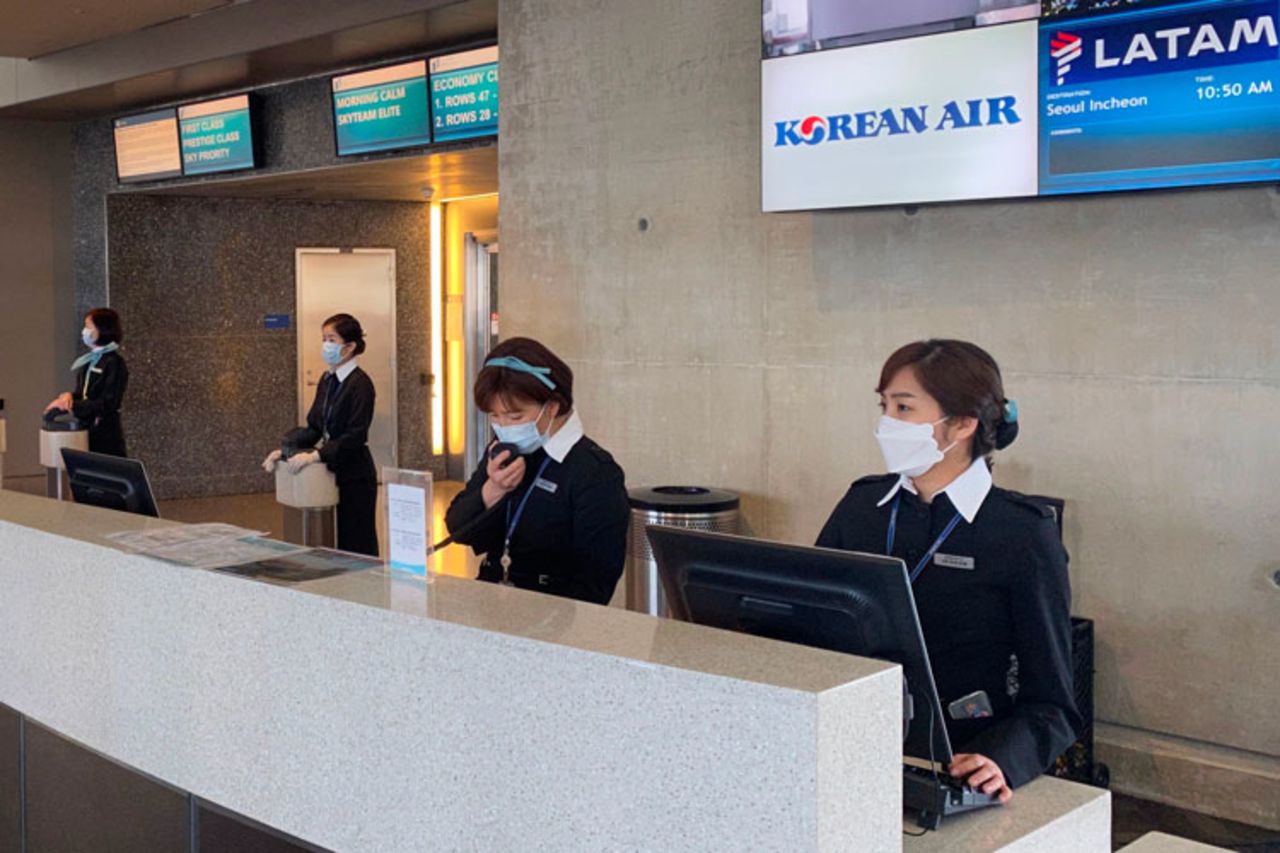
<point x="87" y="336"/>
<point x="331" y="352"/>
<point x="525" y="436"/>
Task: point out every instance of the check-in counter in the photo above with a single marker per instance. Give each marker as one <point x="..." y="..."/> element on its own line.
<point x="373" y="712"/>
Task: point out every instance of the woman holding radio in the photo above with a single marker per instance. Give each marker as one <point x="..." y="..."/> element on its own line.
<point x="548" y="508"/>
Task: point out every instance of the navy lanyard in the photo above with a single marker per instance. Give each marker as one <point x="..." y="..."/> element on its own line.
<point x="933" y="549"/>
<point x="513" y="520"/>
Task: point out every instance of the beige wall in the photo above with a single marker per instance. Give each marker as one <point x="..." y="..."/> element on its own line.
<point x="35" y="286"/>
<point x="1139" y="334"/>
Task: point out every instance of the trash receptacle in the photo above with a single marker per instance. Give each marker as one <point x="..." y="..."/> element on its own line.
<point x="56" y="433"/>
<point x="309" y="498"/>
<point x="693" y="507"/>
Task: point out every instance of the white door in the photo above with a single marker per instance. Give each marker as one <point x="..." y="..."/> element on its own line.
<point x="361" y="283"/>
<point x="481" y="333"/>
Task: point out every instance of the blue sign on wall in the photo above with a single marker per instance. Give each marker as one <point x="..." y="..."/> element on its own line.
<point x="1166" y="96"/>
<point x="216" y="136"/>
<point x="464" y="94"/>
<point x="382" y="109"/>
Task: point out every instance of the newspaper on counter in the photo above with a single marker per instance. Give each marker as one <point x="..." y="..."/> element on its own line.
<point x="204" y="546"/>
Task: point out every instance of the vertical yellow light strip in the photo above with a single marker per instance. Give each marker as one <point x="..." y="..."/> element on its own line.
<point x="436" y="237"/>
<point x="455" y="355"/>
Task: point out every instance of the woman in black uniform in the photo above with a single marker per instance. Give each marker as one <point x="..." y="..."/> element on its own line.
<point x="988" y="569"/>
<point x="554" y="518"/>
<point x="101" y="380"/>
<point x="339" y="423"/>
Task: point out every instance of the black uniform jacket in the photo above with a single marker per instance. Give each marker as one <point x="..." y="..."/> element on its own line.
<point x="1014" y="602"/>
<point x="99" y="403"/>
<point x="344" y="411"/>
<point x="572" y="537"/>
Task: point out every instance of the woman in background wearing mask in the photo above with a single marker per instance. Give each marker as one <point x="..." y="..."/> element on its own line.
<point x="554" y="517"/>
<point x="338" y="427"/>
<point x="101" y="379"/>
<point x="987" y="566"/>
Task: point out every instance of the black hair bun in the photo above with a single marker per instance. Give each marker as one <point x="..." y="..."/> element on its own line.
<point x="1006" y="432"/>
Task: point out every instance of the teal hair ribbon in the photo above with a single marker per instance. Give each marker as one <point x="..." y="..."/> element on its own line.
<point x="542" y="374"/>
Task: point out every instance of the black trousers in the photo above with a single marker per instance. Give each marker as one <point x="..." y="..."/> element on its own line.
<point x="358" y="517"/>
<point x="107" y="437"/>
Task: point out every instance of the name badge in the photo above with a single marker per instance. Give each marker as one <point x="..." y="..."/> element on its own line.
<point x="951" y="561"/>
<point x="545" y="485"/>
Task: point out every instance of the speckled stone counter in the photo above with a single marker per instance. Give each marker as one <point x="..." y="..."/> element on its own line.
<point x="1047" y="815"/>
<point x="370" y="713"/>
<point x="1159" y="842"/>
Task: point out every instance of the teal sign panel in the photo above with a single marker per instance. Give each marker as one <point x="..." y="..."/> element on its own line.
<point x="464" y="101"/>
<point x="388" y="113"/>
<point x="216" y="137"/>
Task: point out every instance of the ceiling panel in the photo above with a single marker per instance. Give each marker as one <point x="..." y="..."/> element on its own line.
<point x="450" y="174"/>
<point x="421" y="31"/>
<point x="30" y="29"/>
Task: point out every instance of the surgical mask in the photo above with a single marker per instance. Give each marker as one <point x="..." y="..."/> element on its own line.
<point x="331" y="352"/>
<point x="86" y="335"/>
<point x="525" y="436"/>
<point x="908" y="448"/>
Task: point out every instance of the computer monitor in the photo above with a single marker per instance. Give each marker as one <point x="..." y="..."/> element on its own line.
<point x="843" y="601"/>
<point x="111" y="482"/>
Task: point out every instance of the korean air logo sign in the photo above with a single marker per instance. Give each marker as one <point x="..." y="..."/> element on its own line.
<point x="813" y="130"/>
<point x="806" y="131"/>
<point x="1163" y="41"/>
<point x="904" y="120"/>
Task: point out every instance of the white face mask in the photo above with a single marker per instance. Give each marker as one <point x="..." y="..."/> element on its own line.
<point x="909" y="448"/>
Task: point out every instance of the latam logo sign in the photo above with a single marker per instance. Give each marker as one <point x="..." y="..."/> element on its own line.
<point x="1161" y="42"/>
<point x="1065" y="49"/>
<point x="897" y="121"/>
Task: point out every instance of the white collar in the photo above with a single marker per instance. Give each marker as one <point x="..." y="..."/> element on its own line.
<point x="345" y="370"/>
<point x="559" y="445"/>
<point x="966" y="492"/>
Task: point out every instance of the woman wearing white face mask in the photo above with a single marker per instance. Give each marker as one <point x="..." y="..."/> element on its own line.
<point x="554" y="518"/>
<point x="338" y="428"/>
<point x="100" y="383"/>
<point x="988" y="570"/>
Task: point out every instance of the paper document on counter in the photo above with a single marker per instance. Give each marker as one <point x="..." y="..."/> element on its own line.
<point x="204" y="546"/>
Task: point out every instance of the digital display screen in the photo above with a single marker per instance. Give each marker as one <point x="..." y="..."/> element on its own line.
<point x="216" y="136"/>
<point x="464" y="94"/>
<point x="382" y="109"/>
<point x="791" y="27"/>
<point x="868" y="103"/>
<point x="1167" y="96"/>
<point x="942" y="118"/>
<point x="147" y="147"/>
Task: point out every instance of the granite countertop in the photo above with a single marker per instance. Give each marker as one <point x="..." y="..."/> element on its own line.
<point x="1040" y="817"/>
<point x="1159" y="842"/>
<point x="506" y="610"/>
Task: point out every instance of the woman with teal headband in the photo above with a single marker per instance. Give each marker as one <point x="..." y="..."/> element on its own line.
<point x="548" y="510"/>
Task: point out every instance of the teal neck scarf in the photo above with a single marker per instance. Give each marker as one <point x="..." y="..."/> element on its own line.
<point x="93" y="356"/>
